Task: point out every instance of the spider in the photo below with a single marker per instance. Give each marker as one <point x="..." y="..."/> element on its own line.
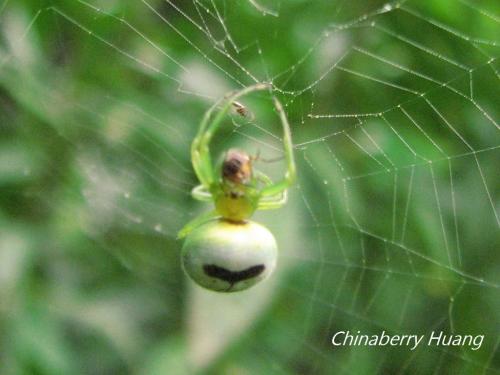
<point x="224" y="250"/>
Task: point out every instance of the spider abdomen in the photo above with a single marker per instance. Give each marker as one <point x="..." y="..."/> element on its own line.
<point x="229" y="257"/>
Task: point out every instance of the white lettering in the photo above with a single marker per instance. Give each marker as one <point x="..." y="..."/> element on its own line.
<point x="417" y="341"/>
<point x="334" y="336"/>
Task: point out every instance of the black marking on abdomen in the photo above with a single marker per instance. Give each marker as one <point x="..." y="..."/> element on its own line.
<point x="233" y="277"/>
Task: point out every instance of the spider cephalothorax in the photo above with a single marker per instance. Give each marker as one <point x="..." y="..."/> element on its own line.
<point x="224" y="251"/>
<point x="236" y="196"/>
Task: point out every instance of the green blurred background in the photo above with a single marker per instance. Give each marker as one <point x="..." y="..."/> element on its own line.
<point x="391" y="226"/>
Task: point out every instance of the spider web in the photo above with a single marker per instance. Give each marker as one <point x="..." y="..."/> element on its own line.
<point x="394" y="113"/>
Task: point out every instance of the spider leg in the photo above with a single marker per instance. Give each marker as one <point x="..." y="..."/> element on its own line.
<point x="290" y="174"/>
<point x="270" y="202"/>
<point x="201" y="193"/>
<point x="196" y="222"/>
<point x="273" y="202"/>
<point x="262" y="177"/>
<point x="200" y="151"/>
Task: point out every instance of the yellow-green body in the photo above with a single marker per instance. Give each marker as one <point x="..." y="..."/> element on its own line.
<point x="224" y="251"/>
<point x="235" y="202"/>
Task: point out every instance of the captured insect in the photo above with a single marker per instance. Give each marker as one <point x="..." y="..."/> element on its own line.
<point x="243" y="111"/>
<point x="224" y="251"/>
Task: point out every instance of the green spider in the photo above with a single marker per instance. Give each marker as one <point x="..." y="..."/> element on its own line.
<point x="223" y="250"/>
